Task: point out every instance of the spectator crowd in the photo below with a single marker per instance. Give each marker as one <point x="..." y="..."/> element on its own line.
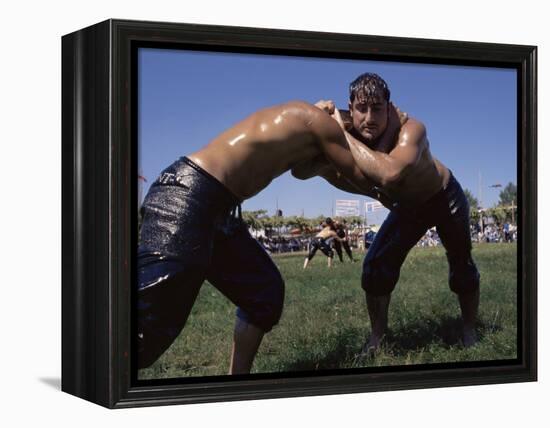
<point x="491" y="233"/>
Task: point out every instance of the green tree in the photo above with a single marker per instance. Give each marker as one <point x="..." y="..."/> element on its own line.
<point x="508" y="196"/>
<point x="254" y="219"/>
<point x="351" y="221"/>
<point x="497" y="213"/>
<point x="296" y="222"/>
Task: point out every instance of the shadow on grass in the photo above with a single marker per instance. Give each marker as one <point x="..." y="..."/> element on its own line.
<point x="445" y="331"/>
<point x="344" y="348"/>
<point x="341" y="348"/>
<point x="425" y="332"/>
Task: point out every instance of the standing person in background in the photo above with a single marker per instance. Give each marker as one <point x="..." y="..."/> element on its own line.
<point x="341" y="232"/>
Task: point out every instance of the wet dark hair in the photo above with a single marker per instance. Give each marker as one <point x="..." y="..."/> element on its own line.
<point x="368" y="86"/>
<point x="328" y="220"/>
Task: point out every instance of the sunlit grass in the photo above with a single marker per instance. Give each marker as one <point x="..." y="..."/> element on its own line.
<point x="325" y="321"/>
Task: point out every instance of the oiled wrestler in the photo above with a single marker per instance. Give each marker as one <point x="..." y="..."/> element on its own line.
<point x="341" y="232"/>
<point x="420" y="193"/>
<point x="191" y="230"/>
<point x="322" y="242"/>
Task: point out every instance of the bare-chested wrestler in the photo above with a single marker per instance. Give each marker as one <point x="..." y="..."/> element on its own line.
<point x="420" y="192"/>
<point x="322" y="242"/>
<point x="343" y="242"/>
<point x="188" y="234"/>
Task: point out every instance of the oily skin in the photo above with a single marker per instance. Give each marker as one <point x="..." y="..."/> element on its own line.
<point x="393" y="151"/>
<point x="403" y="169"/>
<point x="327" y="232"/>
<point x="406" y="172"/>
<point x="248" y="156"/>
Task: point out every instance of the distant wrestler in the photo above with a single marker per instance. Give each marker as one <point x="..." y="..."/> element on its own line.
<point x="322" y="242"/>
<point x="189" y="235"/>
<point x="424" y="193"/>
<point x="343" y="242"/>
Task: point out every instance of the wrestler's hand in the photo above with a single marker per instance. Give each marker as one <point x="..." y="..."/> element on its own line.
<point x="326" y="105"/>
<point x="338" y="118"/>
<point x="396" y="119"/>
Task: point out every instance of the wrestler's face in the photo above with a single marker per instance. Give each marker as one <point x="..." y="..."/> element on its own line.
<point x="369" y="117"/>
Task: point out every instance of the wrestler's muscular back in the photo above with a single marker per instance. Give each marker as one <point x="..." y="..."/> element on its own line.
<point x="326" y="232"/>
<point x="248" y="156"/>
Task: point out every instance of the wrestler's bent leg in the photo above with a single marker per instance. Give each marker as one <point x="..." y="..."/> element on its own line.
<point x="464" y="277"/>
<point x="327" y="251"/>
<point x="382" y="266"/>
<point x="338" y="249"/>
<point x="313" y="247"/>
<point x="165" y="297"/>
<point x="245" y="273"/>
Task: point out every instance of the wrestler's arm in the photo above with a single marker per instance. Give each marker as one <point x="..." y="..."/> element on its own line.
<point x="335" y="147"/>
<point x="339" y="181"/>
<point x="320" y="167"/>
<point x="390" y="168"/>
<point x="335" y="236"/>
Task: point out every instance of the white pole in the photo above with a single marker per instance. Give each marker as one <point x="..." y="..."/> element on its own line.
<point x="480" y="191"/>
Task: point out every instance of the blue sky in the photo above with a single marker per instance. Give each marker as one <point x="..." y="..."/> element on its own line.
<point x="187" y="98"/>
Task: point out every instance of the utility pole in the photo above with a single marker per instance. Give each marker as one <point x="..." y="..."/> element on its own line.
<point x="480" y="191"/>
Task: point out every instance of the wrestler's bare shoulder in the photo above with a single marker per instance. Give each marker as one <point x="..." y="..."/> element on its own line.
<point x="263" y="145"/>
<point x="288" y="110"/>
<point x="413" y="132"/>
<point x="326" y="233"/>
<point x="277" y="122"/>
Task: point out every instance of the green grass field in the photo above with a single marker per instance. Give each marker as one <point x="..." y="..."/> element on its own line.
<point x="325" y="322"/>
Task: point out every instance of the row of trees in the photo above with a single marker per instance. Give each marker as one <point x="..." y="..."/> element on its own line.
<point x="259" y="220"/>
<point x="504" y="211"/>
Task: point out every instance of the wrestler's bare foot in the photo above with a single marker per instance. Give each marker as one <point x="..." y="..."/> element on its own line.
<point x="377" y="307"/>
<point x="469" y="304"/>
<point x="371" y="346"/>
<point x="469" y="337"/>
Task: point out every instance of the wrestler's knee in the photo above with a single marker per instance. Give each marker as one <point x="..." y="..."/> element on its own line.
<point x="267" y="308"/>
<point x="274" y="307"/>
<point x="378" y="278"/>
<point x="463" y="275"/>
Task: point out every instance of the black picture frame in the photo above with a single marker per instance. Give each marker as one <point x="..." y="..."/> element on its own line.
<point x="99" y="196"/>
